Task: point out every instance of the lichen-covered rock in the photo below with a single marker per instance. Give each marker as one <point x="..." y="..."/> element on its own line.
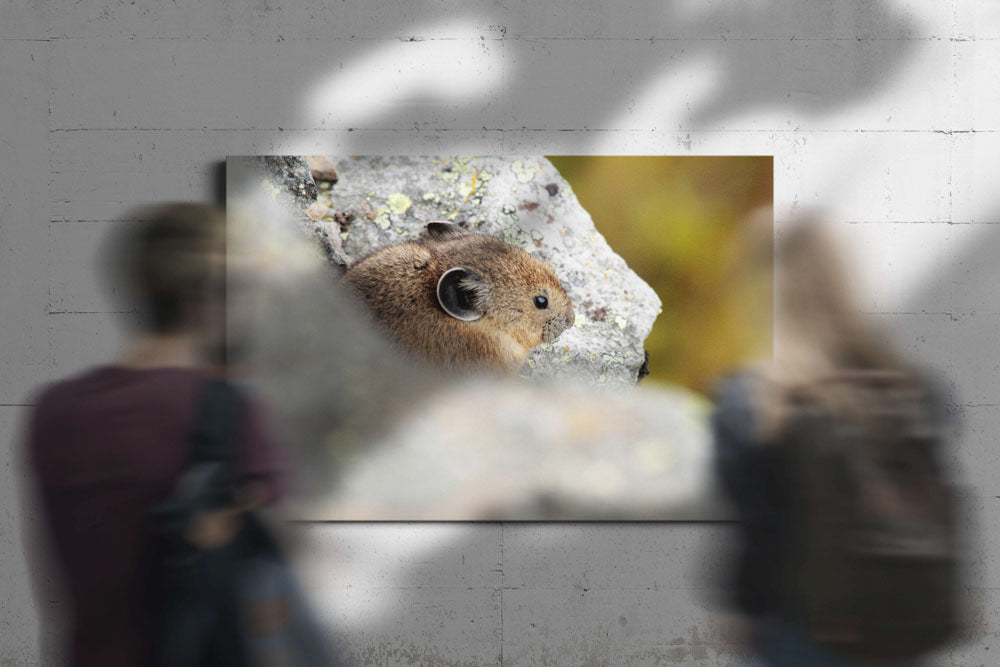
<point x="288" y="180"/>
<point x="378" y="201"/>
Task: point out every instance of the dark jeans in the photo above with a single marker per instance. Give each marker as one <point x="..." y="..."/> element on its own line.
<point x="200" y="623"/>
<point x="783" y="643"/>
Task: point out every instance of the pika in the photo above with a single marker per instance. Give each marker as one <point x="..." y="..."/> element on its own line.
<point x="461" y="299"/>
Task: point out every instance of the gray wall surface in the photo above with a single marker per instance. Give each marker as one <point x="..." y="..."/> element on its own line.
<point x="885" y="114"/>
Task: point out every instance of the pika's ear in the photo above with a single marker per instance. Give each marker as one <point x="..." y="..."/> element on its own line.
<point x="442" y="231"/>
<point x="460" y="292"/>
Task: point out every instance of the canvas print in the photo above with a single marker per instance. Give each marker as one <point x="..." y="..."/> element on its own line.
<point x="498" y="337"/>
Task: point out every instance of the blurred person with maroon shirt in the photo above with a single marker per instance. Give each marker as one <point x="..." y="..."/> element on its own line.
<point x="107" y="445"/>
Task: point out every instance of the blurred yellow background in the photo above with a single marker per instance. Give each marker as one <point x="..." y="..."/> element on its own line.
<point x="677" y="222"/>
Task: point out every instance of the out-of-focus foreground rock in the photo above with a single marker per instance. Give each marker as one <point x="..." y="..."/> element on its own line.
<point x="522" y="452"/>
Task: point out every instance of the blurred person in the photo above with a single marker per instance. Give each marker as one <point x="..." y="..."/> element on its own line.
<point x="830" y="455"/>
<point x="105" y="446"/>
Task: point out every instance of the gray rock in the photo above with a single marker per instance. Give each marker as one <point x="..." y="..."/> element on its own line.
<point x="524" y="201"/>
<point x="288" y="180"/>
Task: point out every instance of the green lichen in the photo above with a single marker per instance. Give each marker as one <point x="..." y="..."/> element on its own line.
<point x="382" y="218"/>
<point x="461" y="165"/>
<point x="514" y="235"/>
<point x="399" y="203"/>
<point x="621" y="322"/>
<point x="524" y="172"/>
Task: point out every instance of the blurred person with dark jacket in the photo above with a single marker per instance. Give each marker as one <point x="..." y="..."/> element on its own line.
<point x="107" y="445"/>
<point x="810" y="489"/>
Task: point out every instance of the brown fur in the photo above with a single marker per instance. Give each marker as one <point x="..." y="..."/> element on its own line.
<point x="399" y="284"/>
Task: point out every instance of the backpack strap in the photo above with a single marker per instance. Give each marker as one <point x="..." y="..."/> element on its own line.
<point x="214" y="434"/>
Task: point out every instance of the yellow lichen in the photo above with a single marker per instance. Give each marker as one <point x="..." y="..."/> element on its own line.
<point x="399" y="203"/>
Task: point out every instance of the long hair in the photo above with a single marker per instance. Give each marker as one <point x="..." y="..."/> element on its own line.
<point x="820" y="333"/>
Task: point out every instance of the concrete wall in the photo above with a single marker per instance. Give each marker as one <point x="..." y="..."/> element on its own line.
<point x="884" y="113"/>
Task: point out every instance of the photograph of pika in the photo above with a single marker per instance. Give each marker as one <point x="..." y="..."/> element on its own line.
<point x="464" y="300"/>
<point x="503" y="337"/>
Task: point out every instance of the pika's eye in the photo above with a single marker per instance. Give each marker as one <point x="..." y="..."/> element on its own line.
<point x="541" y="303"/>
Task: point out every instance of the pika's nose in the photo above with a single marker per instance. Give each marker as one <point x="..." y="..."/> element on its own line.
<point x="554" y="327"/>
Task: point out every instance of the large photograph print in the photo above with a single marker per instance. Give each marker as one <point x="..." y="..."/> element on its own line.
<point x="455" y="338"/>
